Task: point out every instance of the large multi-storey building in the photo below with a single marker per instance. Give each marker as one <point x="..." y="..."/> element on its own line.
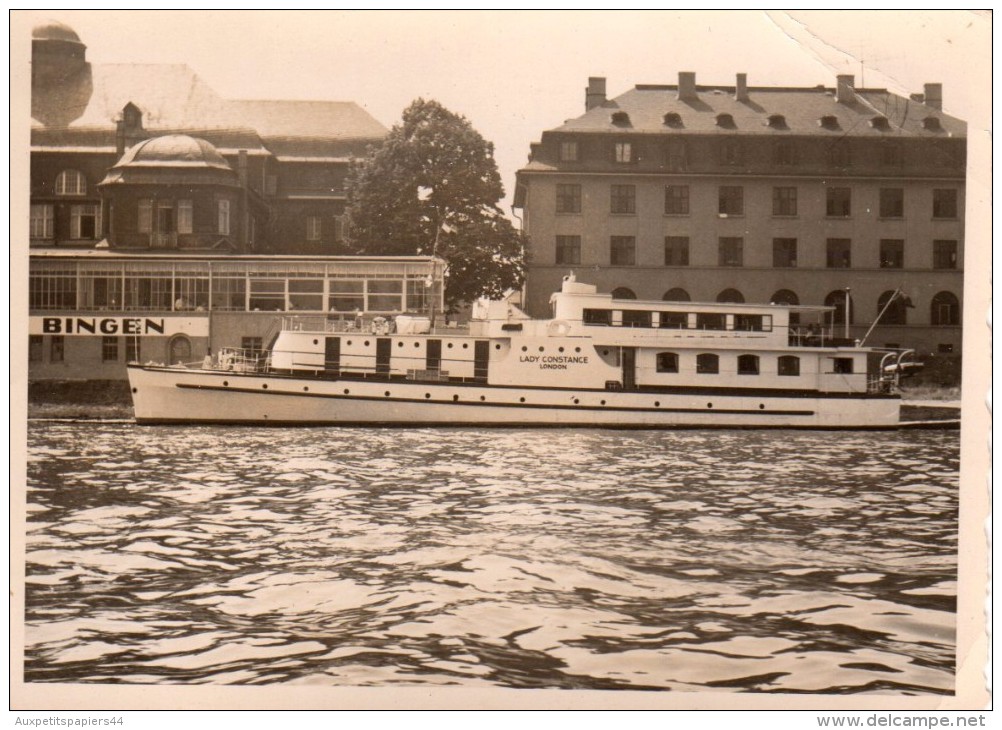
<point x="830" y="196"/>
<point x="167" y="221"/>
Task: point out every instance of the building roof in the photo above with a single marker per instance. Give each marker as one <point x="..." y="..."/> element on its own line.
<point x="321" y="119"/>
<point x="176" y="150"/>
<point x="53" y="30"/>
<point x="801" y="109"/>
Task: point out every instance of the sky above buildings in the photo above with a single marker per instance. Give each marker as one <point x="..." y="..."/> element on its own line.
<point x="514" y="74"/>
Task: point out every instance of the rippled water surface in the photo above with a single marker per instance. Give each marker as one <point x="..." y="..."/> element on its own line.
<point x="727" y="560"/>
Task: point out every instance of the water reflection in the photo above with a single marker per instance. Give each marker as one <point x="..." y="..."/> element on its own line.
<point x="749" y="561"/>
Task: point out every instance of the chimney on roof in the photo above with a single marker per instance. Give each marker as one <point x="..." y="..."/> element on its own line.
<point x="741" y="88"/>
<point x="687" y="85"/>
<point x="934" y="96"/>
<point x="595" y="93"/>
<point x="844" y="92"/>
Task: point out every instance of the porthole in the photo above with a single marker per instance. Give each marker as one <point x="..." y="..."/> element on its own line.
<point x="449" y="345"/>
<point x="497" y="347"/>
<point x="346" y="391"/>
<point x="264" y="386"/>
<point x="226" y="382"/>
<point x="521" y="400"/>
<point x="465" y="345"/>
<point x="427" y="395"/>
<point x="348" y="342"/>
<point x="400" y="344"/>
<point x="306" y="389"/>
<point x="455" y="398"/>
<point x="761" y="406"/>
<point x="709" y="405"/>
<point x="136" y="390"/>
<point x="541" y="349"/>
<point x="387" y="394"/>
<point x="605" y="352"/>
<point x="560" y="349"/>
<point x="524" y="348"/>
<point x="483" y="398"/>
<point x="417" y="344"/>
<point x="316" y="342"/>
<point x="657" y="404"/>
<point x="576" y="401"/>
<point x="366" y="343"/>
<point x="602" y="402"/>
<point x="577" y="349"/>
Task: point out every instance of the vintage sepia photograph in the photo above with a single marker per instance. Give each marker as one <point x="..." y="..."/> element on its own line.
<point x="497" y="359"/>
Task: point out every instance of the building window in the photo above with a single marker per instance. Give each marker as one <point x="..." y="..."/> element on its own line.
<point x="339" y="228"/>
<point x="840" y="154"/>
<point x="892" y="202"/>
<point x="109" y="349"/>
<point x="676" y="295"/>
<point x="945" y="310"/>
<point x="676" y="156"/>
<point x="252" y="345"/>
<point x="784" y="201"/>
<point x="944" y="254"/>
<point x="730" y="152"/>
<point x="784" y="253"/>
<point x="731" y="296"/>
<point x="42" y="222"/>
<point x="677" y="200"/>
<point x="35" y="344"/>
<point x="676" y="250"/>
<point x="85" y="222"/>
<point x="568" y="198"/>
<point x="667" y="362"/>
<point x="839" y="253"/>
<point x="892" y="253"/>
<point x="623" y="152"/>
<point x="568" y="250"/>
<point x="897" y="308"/>
<point x="839" y="202"/>
<point x="185" y="217"/>
<point x="313" y="227"/>
<point x="144" y="222"/>
<point x="623" y="251"/>
<point x="730" y="251"/>
<point x="784" y="152"/>
<point x="747" y="364"/>
<point x="568" y="151"/>
<point x="731" y="200"/>
<point x="944" y="348"/>
<point x="944" y="203"/>
<point x="224" y="217"/>
<point x="71" y="182"/>
<point x="840" y="300"/>
<point x="707" y="363"/>
<point x="57" y="348"/>
<point x="624" y="199"/>
<point x="788" y="365"/>
<point x="132" y="349"/>
<point x="892" y="154"/>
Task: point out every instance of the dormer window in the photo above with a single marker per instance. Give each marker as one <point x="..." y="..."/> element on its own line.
<point x="880" y="122"/>
<point x="621" y="119"/>
<point x="71" y="182"/>
<point x="777" y="121"/>
<point x="932" y="124"/>
<point x="673" y="119"/>
<point x="725" y="120"/>
<point x="828" y="122"/>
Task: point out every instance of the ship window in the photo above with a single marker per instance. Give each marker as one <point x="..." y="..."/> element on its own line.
<point x="597" y="316"/>
<point x="667" y="362"/>
<point x="711" y="321"/>
<point x="707" y="364"/>
<point x="747" y="364"/>
<point x="788" y="365"/>
<point x="842" y="365"/>
<point x="674" y="320"/>
<point x="633" y="318"/>
<point x="750" y="322"/>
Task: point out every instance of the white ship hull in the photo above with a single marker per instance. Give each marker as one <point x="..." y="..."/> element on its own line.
<point x="179" y="395"/>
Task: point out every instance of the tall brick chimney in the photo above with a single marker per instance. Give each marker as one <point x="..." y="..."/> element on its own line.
<point x="741" y="88"/>
<point x="934" y="96"/>
<point x="687" y="86"/>
<point x="595" y="93"/>
<point x="844" y="92"/>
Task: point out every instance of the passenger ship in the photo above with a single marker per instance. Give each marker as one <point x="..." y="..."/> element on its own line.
<point x="599" y="362"/>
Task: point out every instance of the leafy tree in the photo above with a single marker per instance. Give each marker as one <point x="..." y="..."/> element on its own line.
<point x="432" y="188"/>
